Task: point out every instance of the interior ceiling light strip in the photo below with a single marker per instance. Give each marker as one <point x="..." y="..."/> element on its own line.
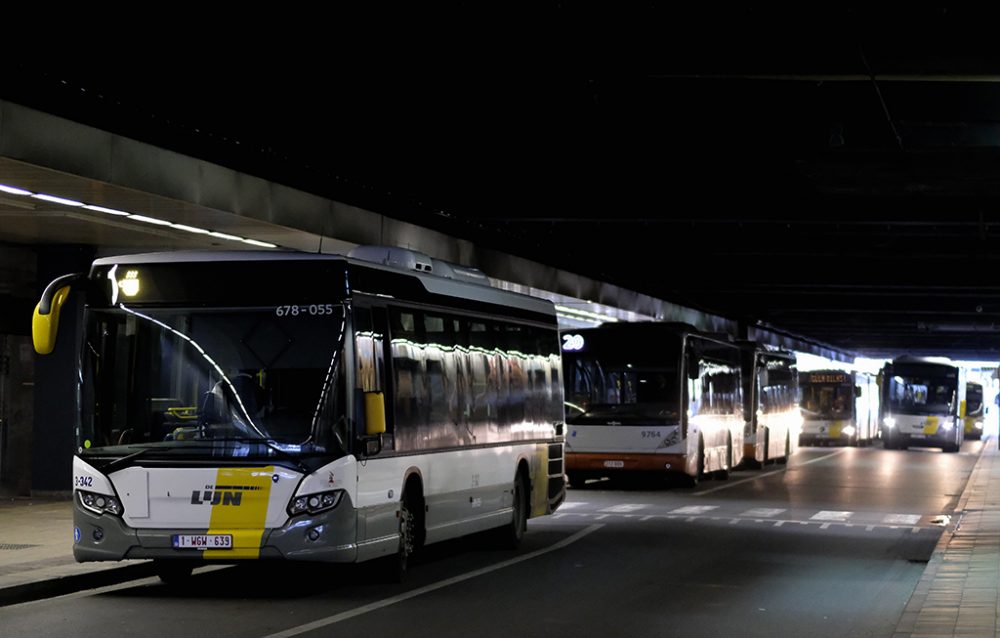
<point x="13" y="190"/>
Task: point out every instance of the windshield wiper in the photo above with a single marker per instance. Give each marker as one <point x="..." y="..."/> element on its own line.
<point x="122" y="460"/>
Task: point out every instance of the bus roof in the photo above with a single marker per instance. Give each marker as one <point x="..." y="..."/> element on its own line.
<point x="453" y="280"/>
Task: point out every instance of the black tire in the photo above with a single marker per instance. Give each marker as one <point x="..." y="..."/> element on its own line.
<point x="173" y="572"/>
<point x="398" y="564"/>
<point x="700" y="468"/>
<point x="575" y="480"/>
<point x="510" y="535"/>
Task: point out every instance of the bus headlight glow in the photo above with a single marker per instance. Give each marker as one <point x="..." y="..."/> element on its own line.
<point x="99" y="503"/>
<point x="315" y="503"/>
<point x="849" y="430"/>
<point x="979" y="425"/>
<point x="889" y="422"/>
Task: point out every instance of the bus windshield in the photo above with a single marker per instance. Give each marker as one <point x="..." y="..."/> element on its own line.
<point x="213" y="382"/>
<point x="921" y="394"/>
<point x="616" y="386"/>
<point x="823" y="401"/>
<point x="973" y="399"/>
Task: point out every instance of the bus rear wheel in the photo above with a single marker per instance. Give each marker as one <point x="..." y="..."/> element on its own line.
<point x="511" y="534"/>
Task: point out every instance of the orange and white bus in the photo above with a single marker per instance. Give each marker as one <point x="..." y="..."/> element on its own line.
<point x="771" y="410"/>
<point x="657" y="398"/>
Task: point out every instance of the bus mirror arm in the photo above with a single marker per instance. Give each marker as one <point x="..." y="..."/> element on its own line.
<point x="372" y="445"/>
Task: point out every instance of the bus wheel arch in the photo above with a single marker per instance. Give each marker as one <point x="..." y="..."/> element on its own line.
<point x="413" y="497"/>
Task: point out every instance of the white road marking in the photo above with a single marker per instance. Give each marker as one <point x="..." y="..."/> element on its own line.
<point x="694" y="509"/>
<point x="766" y="474"/>
<point x="566" y="506"/>
<point x="901" y="519"/>
<point x="364" y="609"/>
<point x="831" y="515"/>
<point x="625" y="508"/>
<point x="763" y="512"/>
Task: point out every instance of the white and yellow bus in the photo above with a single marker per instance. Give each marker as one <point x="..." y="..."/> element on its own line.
<point x="975" y="412"/>
<point x="923" y="403"/>
<point x="655" y="398"/>
<point x="839" y="407"/>
<point x="240" y="406"/>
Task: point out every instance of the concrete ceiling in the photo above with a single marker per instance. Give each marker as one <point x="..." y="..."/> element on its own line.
<point x="833" y="172"/>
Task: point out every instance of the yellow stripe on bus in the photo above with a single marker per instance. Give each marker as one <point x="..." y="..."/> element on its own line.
<point x="241" y="510"/>
<point x="931" y="425"/>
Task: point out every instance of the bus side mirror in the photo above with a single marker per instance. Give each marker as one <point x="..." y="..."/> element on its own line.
<point x="374" y="413"/>
<point x="374" y="423"/>
<point x="857" y="391"/>
<point x="45" y="319"/>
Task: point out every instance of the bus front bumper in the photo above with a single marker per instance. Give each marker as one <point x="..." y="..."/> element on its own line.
<point x="328" y="536"/>
<point x="596" y="463"/>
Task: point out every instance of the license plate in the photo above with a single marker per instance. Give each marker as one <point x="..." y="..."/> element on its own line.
<point x="614" y="464"/>
<point x="203" y="541"/>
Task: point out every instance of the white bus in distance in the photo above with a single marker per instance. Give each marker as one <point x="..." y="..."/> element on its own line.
<point x="771" y="410"/>
<point x="975" y="412"/>
<point x="651" y="398"/>
<point x="922" y="403"/>
<point x="839" y="407"/>
<point x="241" y="406"/>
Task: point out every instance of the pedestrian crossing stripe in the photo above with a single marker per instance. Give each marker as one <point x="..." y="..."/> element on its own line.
<point x="694" y="509"/>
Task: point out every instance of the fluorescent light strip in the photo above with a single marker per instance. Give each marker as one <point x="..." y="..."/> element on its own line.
<point x="255" y="242"/>
<point x="13" y="191"/>
<point x="190" y="229"/>
<point x="57" y="200"/>
<point x="148" y="220"/>
<point x="109" y="211"/>
<point x="225" y="236"/>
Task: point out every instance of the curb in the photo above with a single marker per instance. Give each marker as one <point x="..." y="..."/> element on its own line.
<point x="77" y="582"/>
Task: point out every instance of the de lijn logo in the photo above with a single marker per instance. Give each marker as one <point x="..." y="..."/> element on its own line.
<point x="221" y="494"/>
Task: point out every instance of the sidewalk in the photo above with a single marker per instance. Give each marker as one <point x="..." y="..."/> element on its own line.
<point x="36" y="553"/>
<point x="958" y="595"/>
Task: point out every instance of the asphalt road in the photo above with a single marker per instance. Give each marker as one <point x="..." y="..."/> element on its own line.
<point x="830" y="545"/>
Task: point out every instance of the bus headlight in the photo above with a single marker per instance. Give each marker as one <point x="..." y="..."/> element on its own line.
<point x="889" y="422"/>
<point x="979" y="425"/>
<point x="849" y="430"/>
<point x="99" y="503"/>
<point x="315" y="503"/>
